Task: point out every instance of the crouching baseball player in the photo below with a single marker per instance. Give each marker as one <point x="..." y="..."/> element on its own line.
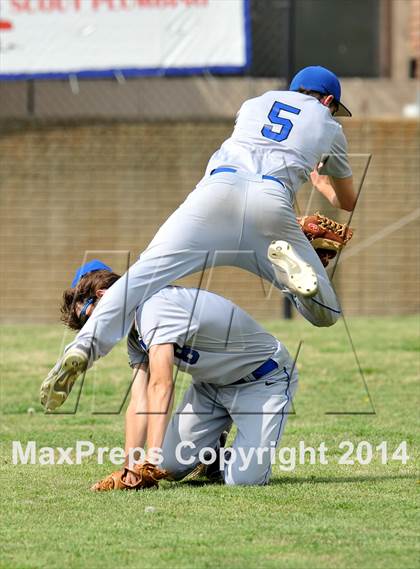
<point x="240" y="373"/>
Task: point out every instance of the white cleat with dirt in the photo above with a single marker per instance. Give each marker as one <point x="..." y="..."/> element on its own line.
<point x="59" y="382"/>
<point x="291" y="270"/>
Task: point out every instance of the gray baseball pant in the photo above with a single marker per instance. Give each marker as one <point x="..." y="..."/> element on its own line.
<point x="259" y="409"/>
<point x="228" y="220"/>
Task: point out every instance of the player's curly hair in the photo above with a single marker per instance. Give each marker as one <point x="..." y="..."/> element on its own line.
<point x="86" y="288"/>
<point x="315" y="94"/>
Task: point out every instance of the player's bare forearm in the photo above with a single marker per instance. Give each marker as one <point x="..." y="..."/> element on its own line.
<point x="324" y="187"/>
<point x="159" y="394"/>
<point x="136" y="414"/>
<point x="338" y="191"/>
<point x="344" y="191"/>
<point x="135" y="428"/>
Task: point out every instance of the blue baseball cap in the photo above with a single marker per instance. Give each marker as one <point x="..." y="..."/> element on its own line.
<point x="322" y="80"/>
<point x="90" y="267"/>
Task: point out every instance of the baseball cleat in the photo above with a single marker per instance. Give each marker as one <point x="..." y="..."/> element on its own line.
<point x="210" y="471"/>
<point x="291" y="270"/>
<point x="59" y="382"/>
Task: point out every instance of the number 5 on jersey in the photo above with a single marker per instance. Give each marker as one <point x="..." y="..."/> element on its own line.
<point x="275" y="118"/>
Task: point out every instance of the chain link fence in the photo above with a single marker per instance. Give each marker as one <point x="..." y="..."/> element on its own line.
<point x="98" y="164"/>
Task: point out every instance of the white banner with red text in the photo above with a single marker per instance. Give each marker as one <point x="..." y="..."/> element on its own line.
<point x="88" y="38"/>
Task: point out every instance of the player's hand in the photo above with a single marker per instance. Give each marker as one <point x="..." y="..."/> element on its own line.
<point x="319" y="181"/>
<point x="139" y="477"/>
<point x="324" y="186"/>
<point x="130" y="478"/>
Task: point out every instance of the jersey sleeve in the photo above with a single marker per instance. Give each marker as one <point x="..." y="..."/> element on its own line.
<point x="336" y="162"/>
<point x="136" y="354"/>
<point x="164" y="321"/>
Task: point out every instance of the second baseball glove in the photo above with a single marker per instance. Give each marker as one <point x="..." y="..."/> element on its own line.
<point x="145" y="475"/>
<point x="327" y="236"/>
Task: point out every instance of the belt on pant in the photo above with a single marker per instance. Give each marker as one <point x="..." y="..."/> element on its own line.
<point x="227" y="169"/>
<point x="266" y="367"/>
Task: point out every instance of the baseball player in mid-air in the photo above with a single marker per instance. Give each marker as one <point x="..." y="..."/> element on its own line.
<point x="240" y="214"/>
<point x="240" y="373"/>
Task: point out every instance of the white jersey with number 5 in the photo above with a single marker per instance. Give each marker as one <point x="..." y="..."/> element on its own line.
<point x="284" y="134"/>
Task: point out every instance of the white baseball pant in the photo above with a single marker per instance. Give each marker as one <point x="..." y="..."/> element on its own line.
<point x="259" y="409"/>
<point x="228" y="220"/>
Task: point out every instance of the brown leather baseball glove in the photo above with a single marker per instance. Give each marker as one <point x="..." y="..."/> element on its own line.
<point x="145" y="475"/>
<point x="327" y="236"/>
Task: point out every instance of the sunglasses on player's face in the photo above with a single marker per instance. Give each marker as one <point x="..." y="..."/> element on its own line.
<point x="83" y="316"/>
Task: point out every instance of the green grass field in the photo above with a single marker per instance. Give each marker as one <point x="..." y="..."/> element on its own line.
<point x="317" y="516"/>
